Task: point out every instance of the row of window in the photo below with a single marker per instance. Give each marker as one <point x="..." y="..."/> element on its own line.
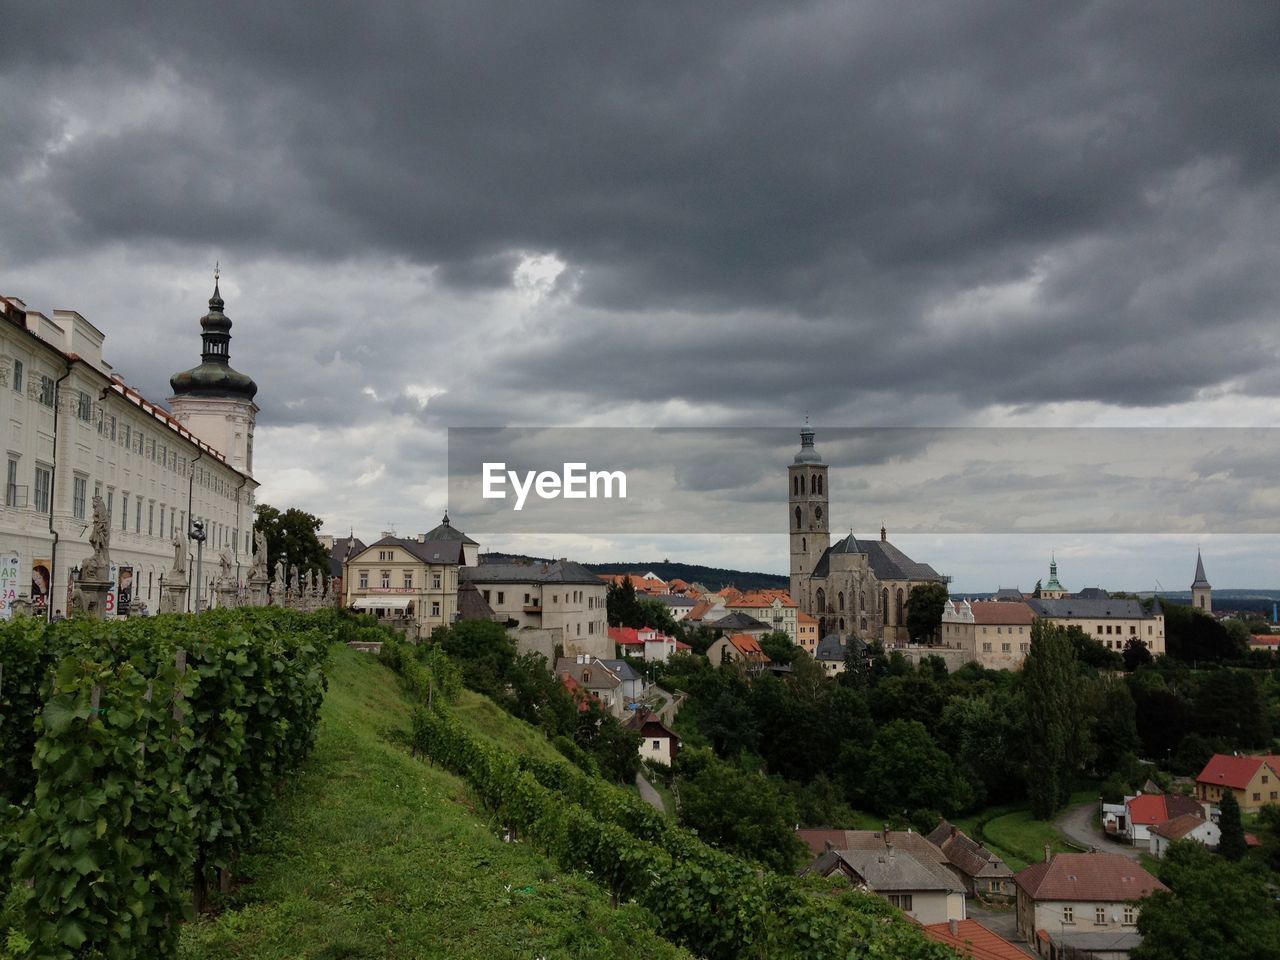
<point x="1100" y="915"/>
<point x="384" y="578"/>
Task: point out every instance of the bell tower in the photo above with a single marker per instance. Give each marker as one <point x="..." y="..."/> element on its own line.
<point x="808" y="517"/>
<point x="1201" y="591"/>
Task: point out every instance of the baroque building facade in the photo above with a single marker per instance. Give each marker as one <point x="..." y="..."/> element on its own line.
<point x="854" y="587"/>
<point x="75" y="430"/>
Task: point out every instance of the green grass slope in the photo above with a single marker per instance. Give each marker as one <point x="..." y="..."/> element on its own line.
<point x="374" y="854"/>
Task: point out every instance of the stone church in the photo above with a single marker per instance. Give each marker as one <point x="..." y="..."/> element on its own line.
<point x="852" y="587"/>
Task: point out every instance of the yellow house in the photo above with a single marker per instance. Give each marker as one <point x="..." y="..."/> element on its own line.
<point x="1254" y="780"/>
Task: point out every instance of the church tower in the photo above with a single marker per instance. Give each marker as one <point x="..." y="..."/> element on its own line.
<point x="808" y="516"/>
<point x="1201" y="591"/>
<point x="214" y="401"/>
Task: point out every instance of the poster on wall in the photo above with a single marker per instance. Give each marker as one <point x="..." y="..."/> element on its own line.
<point x="41" y="581"/>
<point x="124" y="590"/>
<point x="8" y="583"/>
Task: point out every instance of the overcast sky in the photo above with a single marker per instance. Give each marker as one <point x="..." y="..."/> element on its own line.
<point x="713" y="214"/>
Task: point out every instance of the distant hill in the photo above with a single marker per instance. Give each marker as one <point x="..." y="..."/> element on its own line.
<point x="713" y="577"/>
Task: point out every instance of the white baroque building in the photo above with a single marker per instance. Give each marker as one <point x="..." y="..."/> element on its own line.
<point x="73" y="429"/>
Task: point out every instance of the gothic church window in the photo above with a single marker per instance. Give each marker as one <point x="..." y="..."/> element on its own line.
<point x="797" y="518"/>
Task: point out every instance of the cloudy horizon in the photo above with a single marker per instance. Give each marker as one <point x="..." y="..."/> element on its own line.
<point x="981" y="214"/>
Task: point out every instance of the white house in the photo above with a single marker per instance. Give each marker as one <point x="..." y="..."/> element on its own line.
<point x="1186" y="827"/>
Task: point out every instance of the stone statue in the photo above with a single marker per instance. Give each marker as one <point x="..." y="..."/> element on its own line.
<point x="278" y="585"/>
<point x="98" y="567"/>
<point x="295" y="581"/>
<point x="179" y="557"/>
<point x="260" y="558"/>
<point x="224" y="566"/>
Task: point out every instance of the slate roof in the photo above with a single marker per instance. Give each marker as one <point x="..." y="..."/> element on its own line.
<point x="674" y="600"/>
<point x="471" y="605"/>
<point x="1201" y="580"/>
<point x="446" y="551"/>
<point x="600" y="677"/>
<point x="562" y="571"/>
<point x="737" y="620"/>
<point x="446" y="531"/>
<point x="966" y="854"/>
<point x="1106" y="877"/>
<point x="874" y="841"/>
<point x="1109" y="609"/>
<point x="621" y="668"/>
<point x="342" y="550"/>
<point x="1092" y="593"/>
<point x="972" y="939"/>
<point x="830" y="648"/>
<point x="1007" y="593"/>
<point x="888" y="870"/>
<point x="886" y="561"/>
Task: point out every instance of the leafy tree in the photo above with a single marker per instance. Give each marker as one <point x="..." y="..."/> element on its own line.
<point x="908" y="772"/>
<point x="742" y="811"/>
<point x="484" y="652"/>
<point x="1192" y="635"/>
<point x="1230" y="706"/>
<point x="924" y="610"/>
<point x="984" y="732"/>
<point x="622" y="606"/>
<point x="291" y="537"/>
<point x="1091" y="651"/>
<point x="1055" y="718"/>
<point x="656" y="614"/>
<point x="1163" y="716"/>
<point x="1232" y="846"/>
<point x="1115" y="730"/>
<point x="913" y="696"/>
<point x="1269" y="820"/>
<point x="778" y="647"/>
<point x="1213" y="908"/>
<point x="1135" y="654"/>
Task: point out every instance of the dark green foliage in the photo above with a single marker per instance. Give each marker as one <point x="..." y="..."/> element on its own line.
<point x="1135" y="654"/>
<point x="924" y="610"/>
<point x="1091" y="651"/>
<point x="1232" y="845"/>
<point x="984" y="732"/>
<point x="1193" y="636"/>
<point x="1056" y="726"/>
<point x="778" y="647"/>
<point x="1163" y="717"/>
<point x="1230" y="707"/>
<point x="484" y="652"/>
<point x="623" y="606"/>
<point x="1214" y="908"/>
<point x="291" y="537"/>
<point x="1115" y="724"/>
<point x="909" y="774"/>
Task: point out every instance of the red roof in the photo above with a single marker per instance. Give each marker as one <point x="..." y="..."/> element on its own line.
<point x="749" y="647"/>
<point x="972" y="939"/>
<point x="1234" y="772"/>
<point x="1002" y="612"/>
<point x="581" y="696"/>
<point x="1149" y="809"/>
<point x="1106" y="877"/>
<point x="1178" y="827"/>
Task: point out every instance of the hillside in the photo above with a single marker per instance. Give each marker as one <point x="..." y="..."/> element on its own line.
<point x="374" y="854"/>
<point x="713" y="577"/>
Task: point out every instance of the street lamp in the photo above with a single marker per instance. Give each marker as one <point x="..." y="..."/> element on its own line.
<point x="197" y="534"/>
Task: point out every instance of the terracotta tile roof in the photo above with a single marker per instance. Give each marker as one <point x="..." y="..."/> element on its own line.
<point x="1002" y="612"/>
<point x="967" y="855"/>
<point x="700" y="611"/>
<point x="972" y="939"/>
<point x="807" y="620"/>
<point x="749" y="647"/>
<point x="1152" y="808"/>
<point x="1106" y="877"/>
<point x="1223" y="770"/>
<point x="1178" y="827"/>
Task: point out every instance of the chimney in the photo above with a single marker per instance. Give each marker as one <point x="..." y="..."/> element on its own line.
<point x="954" y="925"/>
<point x="1047" y="855"/>
<point x="889" y="850"/>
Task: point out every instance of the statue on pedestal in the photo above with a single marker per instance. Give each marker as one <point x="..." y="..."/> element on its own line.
<point x="259" y="571"/>
<point x="97" y="568"/>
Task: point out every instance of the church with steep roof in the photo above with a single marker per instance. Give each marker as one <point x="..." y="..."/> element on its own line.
<point x="854" y="587"/>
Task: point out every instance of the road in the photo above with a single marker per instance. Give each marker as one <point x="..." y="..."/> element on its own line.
<point x="648" y="794"/>
<point x="1076" y="824"/>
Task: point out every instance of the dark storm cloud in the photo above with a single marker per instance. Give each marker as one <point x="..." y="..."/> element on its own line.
<point x="858" y="209"/>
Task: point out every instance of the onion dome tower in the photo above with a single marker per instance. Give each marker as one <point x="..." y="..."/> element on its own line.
<point x="213" y="400"/>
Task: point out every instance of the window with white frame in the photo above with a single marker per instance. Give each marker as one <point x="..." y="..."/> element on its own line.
<point x="364" y="579"/>
<point x="84" y="407"/>
<point x="43" y="487"/>
<point x="11" y="483"/>
<point x="79" y="493"/>
<point x="17" y="375"/>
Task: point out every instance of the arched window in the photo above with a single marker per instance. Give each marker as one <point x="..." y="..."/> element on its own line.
<point x="820" y="483"/>
<point x="884" y="605"/>
<point x="795" y="486"/>
<point x="862" y="601"/>
<point x="797" y="518"/>
<point x="817" y="513"/>
<point x="897" y="613"/>
<point x="821" y="598"/>
<point x="840" y="600"/>
<point x="804" y="545"/>
<point x="842" y="624"/>
<point x="864" y="624"/>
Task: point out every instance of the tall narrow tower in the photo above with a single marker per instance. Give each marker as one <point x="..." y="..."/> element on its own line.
<point x="1201" y="591"/>
<point x="214" y="401"/>
<point x="808" y="517"/>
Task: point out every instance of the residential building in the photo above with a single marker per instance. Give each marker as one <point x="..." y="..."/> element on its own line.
<point x="738" y="648"/>
<point x="981" y="871"/>
<point x="739" y="622"/>
<point x="678" y="605"/>
<point x="830" y="655"/>
<point x="76" y="431"/>
<point x="658" y="742"/>
<point x="593" y="676"/>
<point x="994" y="633"/>
<point x="1112" y="621"/>
<point x="561" y="595"/>
<point x="1147" y="810"/>
<point x="341" y="549"/>
<point x="969" y="938"/>
<point x="853" y="587"/>
<point x="1083" y="901"/>
<point x="1185" y="827"/>
<point x="646" y="584"/>
<point x="806" y="633"/>
<point x="413" y="581"/>
<point x="901" y="866"/>
<point x="774" y="608"/>
<point x="1254" y="780"/>
<point x="646" y="643"/>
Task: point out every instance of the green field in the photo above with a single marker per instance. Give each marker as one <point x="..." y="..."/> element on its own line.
<point x="373" y="854"/>
<point x="1015" y="835"/>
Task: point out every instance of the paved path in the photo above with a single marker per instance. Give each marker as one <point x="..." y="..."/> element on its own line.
<point x="1076" y="824"/>
<point x="648" y="794"/>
